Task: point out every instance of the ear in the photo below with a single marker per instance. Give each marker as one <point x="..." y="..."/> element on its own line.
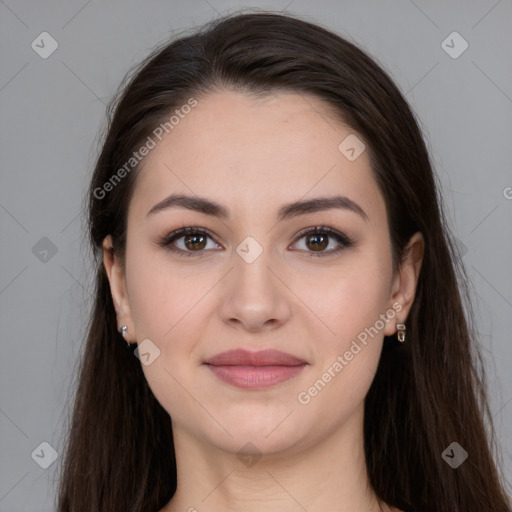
<point x="117" y="280"/>
<point x="405" y="282"/>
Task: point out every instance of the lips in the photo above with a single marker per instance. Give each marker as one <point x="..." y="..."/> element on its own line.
<point x="261" y="358"/>
<point x="255" y="370"/>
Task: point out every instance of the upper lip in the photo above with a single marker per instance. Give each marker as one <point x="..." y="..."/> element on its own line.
<point x="242" y="357"/>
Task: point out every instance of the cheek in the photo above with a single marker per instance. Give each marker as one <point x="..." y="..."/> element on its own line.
<point x="347" y="354"/>
<point x="348" y="298"/>
<point x="159" y="295"/>
<point x="167" y="308"/>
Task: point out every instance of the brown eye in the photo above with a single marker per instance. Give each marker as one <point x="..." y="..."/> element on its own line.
<point x="194" y="242"/>
<point x="317" y="239"/>
<point x="317" y="242"/>
<point x="189" y="241"/>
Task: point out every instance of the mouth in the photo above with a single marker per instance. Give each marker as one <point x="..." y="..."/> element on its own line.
<point x="255" y="370"/>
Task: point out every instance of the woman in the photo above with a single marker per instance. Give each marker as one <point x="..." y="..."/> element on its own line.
<point x="269" y="236"/>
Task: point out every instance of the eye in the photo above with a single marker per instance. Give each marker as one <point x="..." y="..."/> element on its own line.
<point x="317" y="239"/>
<point x="189" y="241"/>
<point x="192" y="241"/>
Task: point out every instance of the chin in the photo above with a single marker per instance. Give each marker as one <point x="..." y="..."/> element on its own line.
<point x="264" y="434"/>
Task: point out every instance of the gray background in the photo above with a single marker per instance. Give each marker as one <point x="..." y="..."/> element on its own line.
<point x="52" y="110"/>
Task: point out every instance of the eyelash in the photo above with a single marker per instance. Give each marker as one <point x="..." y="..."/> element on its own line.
<point x="345" y="241"/>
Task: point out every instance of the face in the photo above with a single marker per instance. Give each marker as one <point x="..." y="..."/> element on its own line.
<point x="256" y="277"/>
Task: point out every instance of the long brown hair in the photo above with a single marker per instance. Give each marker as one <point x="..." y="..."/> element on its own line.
<point x="427" y="393"/>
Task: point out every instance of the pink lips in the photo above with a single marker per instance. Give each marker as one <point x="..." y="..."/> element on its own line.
<point x="255" y="370"/>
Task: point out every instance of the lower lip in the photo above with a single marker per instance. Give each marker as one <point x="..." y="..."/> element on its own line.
<point x="255" y="377"/>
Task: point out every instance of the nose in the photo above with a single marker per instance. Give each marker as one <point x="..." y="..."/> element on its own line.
<point x="255" y="297"/>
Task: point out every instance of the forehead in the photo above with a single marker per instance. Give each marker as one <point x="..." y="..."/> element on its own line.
<point x="254" y="154"/>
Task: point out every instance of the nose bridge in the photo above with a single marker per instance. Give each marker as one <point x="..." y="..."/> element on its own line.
<point x="252" y="273"/>
<point x="254" y="296"/>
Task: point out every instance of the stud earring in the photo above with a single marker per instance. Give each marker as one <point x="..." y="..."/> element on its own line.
<point x="401" y="332"/>
<point x="123" y="330"/>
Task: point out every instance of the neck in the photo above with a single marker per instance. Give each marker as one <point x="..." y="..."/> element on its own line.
<point x="329" y="474"/>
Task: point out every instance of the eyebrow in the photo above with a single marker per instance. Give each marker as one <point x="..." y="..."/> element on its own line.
<point x="287" y="211"/>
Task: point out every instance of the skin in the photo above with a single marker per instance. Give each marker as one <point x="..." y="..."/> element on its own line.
<point x="252" y="156"/>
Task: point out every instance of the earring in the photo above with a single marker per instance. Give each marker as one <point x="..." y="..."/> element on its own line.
<point x="123" y="330"/>
<point x="401" y="332"/>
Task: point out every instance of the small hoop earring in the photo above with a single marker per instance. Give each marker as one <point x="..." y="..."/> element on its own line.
<point x="401" y="332"/>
